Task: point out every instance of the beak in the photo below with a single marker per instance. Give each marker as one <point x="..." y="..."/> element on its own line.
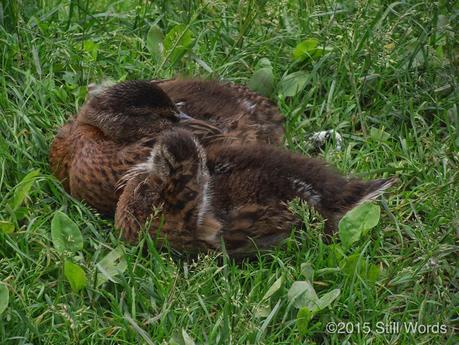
<point x="183" y="117"/>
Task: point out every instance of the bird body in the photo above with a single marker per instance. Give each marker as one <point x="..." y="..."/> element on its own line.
<point x="90" y="164"/>
<point x="236" y="110"/>
<point x="118" y="126"/>
<point x="236" y="193"/>
<point x="114" y="130"/>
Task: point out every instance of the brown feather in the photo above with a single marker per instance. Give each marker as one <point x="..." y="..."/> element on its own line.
<point x="118" y="125"/>
<point x="242" y="189"/>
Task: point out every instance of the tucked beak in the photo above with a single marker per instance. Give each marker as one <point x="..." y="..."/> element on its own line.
<point x="183" y="117"/>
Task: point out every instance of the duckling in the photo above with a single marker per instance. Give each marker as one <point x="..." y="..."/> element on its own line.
<point x="241" y="114"/>
<point x="196" y="198"/>
<point x="118" y="125"/>
<point x="114" y="130"/>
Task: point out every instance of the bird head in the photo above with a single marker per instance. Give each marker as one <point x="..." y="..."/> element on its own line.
<point x="130" y="110"/>
<point x="177" y="173"/>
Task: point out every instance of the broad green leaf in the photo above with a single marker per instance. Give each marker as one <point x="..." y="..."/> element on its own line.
<point x="71" y="78"/>
<point x="65" y="234"/>
<point x="154" y="41"/>
<point x="302" y="294"/>
<point x="263" y="62"/>
<point x="307" y="271"/>
<point x="378" y="134"/>
<point x="309" y="49"/>
<point x="356" y="265"/>
<point x="357" y="222"/>
<point x="75" y="275"/>
<point x="262" y="81"/>
<point x="6" y="227"/>
<point x="302" y="319"/>
<point x="273" y="289"/>
<point x="177" y="42"/>
<point x="22" y="190"/>
<point x="113" y="264"/>
<point x="293" y="83"/>
<point x="91" y="48"/>
<point x="328" y="298"/>
<point x="305" y="49"/>
<point x="4" y="297"/>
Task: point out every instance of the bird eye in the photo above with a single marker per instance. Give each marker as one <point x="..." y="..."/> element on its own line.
<point x="191" y="194"/>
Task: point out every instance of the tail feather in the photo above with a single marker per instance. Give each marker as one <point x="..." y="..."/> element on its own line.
<point x="354" y="193"/>
<point x="376" y="188"/>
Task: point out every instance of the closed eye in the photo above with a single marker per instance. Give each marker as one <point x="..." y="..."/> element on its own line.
<point x="190" y="194"/>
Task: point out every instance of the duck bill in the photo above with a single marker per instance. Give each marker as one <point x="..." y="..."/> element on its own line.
<point x="184" y="117"/>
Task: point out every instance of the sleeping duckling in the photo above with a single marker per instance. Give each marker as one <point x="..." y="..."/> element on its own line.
<point x="234" y="109"/>
<point x="118" y="125"/>
<point x="195" y="198"/>
<point x="115" y="130"/>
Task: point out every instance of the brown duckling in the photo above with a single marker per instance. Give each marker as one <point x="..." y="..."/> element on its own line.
<point x="134" y="109"/>
<point x="234" y="109"/>
<point x="115" y="129"/>
<point x="195" y="198"/>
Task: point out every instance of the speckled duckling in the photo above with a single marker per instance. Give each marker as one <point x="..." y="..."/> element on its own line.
<point x="119" y="124"/>
<point x="194" y="197"/>
<point x="92" y="152"/>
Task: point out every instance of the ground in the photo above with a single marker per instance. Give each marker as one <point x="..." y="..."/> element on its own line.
<point x="383" y="74"/>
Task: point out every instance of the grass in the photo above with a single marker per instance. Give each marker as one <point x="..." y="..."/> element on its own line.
<point x="387" y="83"/>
